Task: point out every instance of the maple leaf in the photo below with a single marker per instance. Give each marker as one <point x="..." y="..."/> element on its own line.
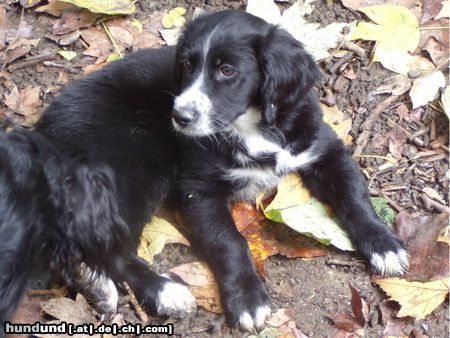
<point x="416" y="299"/>
<point x="395" y="29"/>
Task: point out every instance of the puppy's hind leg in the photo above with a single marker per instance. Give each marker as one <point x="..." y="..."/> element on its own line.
<point x="157" y="294"/>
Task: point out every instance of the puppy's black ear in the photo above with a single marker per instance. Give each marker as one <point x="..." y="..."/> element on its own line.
<point x="288" y="72"/>
<point x="90" y="230"/>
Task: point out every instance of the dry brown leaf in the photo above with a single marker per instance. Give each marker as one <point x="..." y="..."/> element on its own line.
<point x="428" y="259"/>
<point x="73" y="19"/>
<point x="431" y="8"/>
<point x="28" y="311"/>
<point x="415" y="298"/>
<point x="99" y="44"/>
<point x="19" y="49"/>
<point x="75" y="311"/>
<point x="201" y="283"/>
<point x="24" y="105"/>
<point x="436" y="41"/>
<point x="278" y="318"/>
<point x="397" y="140"/>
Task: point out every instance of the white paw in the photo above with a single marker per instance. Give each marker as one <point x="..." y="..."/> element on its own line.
<point x="390" y="263"/>
<point x="99" y="289"/>
<point x="175" y="298"/>
<point x="248" y="323"/>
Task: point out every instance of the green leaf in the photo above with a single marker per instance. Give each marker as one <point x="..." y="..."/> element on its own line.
<point x="110" y="7"/>
<point x="383" y="210"/>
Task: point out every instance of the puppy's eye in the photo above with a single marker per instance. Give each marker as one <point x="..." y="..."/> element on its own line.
<point x="187" y="66"/>
<point x="227" y="71"/>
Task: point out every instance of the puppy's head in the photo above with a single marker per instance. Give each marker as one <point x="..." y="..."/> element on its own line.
<point x="232" y="61"/>
<point x="90" y="229"/>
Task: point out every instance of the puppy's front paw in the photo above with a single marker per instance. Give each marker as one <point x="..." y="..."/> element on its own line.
<point x="247" y="307"/>
<point x="174" y="299"/>
<point x="385" y="253"/>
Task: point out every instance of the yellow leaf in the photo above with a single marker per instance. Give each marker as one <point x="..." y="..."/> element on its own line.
<point x="290" y="192"/>
<point x="110" y="7"/>
<point x="112" y="57"/>
<point x="396" y="28"/>
<point x="337" y="121"/>
<point x="417" y="299"/>
<point x="174" y="18"/>
<point x="402" y="62"/>
<point x="138" y="25"/>
<point x="157" y="234"/>
<point x="68" y="55"/>
<point x="143" y="252"/>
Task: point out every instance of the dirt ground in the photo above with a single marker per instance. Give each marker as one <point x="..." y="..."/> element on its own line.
<point x="310" y="289"/>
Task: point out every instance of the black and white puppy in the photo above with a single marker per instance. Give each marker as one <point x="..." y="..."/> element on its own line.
<point x="57" y="210"/>
<point x="244" y="111"/>
<point x="248" y="107"/>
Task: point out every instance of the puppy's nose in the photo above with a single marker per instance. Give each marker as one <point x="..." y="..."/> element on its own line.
<point x="182" y="117"/>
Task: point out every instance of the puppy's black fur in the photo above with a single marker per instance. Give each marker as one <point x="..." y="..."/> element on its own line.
<point x="57" y="209"/>
<point x="245" y="114"/>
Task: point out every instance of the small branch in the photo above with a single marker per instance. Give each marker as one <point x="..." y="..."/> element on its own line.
<point x="432" y="203"/>
<point x="31" y="61"/>
<point x="112" y="39"/>
<point x="352" y="47"/>
<point x="139" y="311"/>
<point x="335" y="67"/>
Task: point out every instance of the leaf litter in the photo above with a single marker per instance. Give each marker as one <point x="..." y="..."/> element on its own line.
<point x="122" y="37"/>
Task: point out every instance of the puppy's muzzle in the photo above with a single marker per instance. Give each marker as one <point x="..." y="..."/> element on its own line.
<point x="183" y="117"/>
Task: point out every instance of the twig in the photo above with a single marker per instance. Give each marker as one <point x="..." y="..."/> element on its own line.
<point x="334" y="261"/>
<point x="31" y="61"/>
<point x="363" y="138"/>
<point x="411" y="137"/>
<point x="432" y="203"/>
<point x="139" y="311"/>
<point x="352" y="47"/>
<point x="335" y="67"/>
<point x="112" y="39"/>
<point x="392" y="203"/>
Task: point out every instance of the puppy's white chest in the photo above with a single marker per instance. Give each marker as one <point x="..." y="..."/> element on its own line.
<point x="250" y="181"/>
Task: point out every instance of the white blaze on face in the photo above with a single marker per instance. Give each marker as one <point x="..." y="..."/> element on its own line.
<point x="195" y="101"/>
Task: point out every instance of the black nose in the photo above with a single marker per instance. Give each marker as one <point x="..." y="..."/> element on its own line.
<point x="182" y="117"/>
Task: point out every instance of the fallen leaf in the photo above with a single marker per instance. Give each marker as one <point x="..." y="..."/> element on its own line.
<point x="445" y="99"/>
<point x="110" y="7"/>
<point x="444" y="235"/>
<point x="414" y="5"/>
<point x="54" y="7"/>
<point x="24" y="105"/>
<point x="74" y="19"/>
<point x="310" y="218"/>
<point x="344" y="321"/>
<point x="67" y="54"/>
<point x="431" y="8"/>
<point x="396" y="85"/>
<point x="170" y="36"/>
<point x="435" y="40"/>
<point x="201" y="283"/>
<point x="157" y="234"/>
<point x="266" y="238"/>
<point x="278" y="318"/>
<point x="396" y="141"/>
<point x="76" y="311"/>
<point x="19" y="49"/>
<point x="121" y="36"/>
<point x="174" y="18"/>
<point x="415" y="298"/>
<point x="317" y="41"/>
<point x="357" y="307"/>
<point x="99" y="44"/>
<point x="428" y="259"/>
<point x="395" y="29"/>
<point x="425" y="88"/>
<point x="445" y="11"/>
<point x="337" y="121"/>
<point x="403" y="63"/>
<point x="65" y="39"/>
